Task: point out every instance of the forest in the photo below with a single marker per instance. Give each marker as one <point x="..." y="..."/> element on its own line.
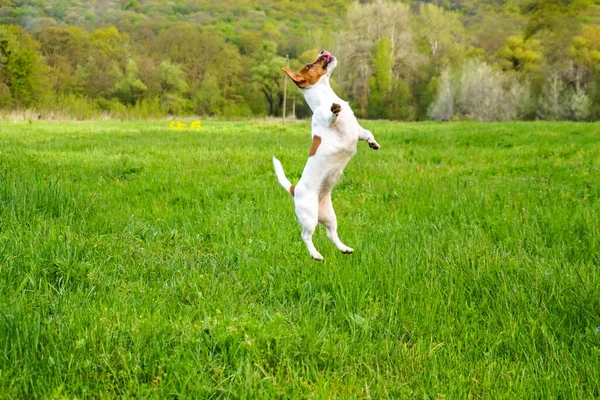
<point x="486" y="60"/>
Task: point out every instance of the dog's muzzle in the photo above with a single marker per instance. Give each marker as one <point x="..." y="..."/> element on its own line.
<point x="328" y="57"/>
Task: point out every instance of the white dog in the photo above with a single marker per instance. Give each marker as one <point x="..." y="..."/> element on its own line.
<point x="335" y="133"/>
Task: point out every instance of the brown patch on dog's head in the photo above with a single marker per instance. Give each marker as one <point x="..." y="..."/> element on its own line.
<point x="315" y="145"/>
<point x="311" y="73"/>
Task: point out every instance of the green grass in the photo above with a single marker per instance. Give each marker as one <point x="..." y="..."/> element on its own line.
<point x="136" y="261"/>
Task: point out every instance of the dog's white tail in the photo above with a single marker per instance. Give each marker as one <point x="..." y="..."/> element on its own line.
<point x="283" y="180"/>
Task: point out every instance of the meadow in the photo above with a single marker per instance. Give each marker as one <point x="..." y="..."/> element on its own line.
<point x="142" y="261"/>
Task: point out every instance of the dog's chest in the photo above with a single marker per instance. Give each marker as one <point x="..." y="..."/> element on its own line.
<point x="336" y="148"/>
<point x="343" y="139"/>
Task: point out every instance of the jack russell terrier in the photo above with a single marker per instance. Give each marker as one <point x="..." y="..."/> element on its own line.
<point x="335" y="134"/>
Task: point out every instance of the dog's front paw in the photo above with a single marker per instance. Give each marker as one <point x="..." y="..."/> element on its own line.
<point x="336" y="108"/>
<point x="374" y="145"/>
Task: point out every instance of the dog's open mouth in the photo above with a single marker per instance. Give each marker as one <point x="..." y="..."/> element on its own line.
<point x="327" y="56"/>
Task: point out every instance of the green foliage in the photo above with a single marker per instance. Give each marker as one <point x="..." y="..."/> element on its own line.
<point x="208" y="100"/>
<point x="148" y="108"/>
<point x="584" y="51"/>
<point x="130" y="89"/>
<point x="551" y="15"/>
<point x="267" y="76"/>
<point x="175" y="104"/>
<point x="224" y="58"/>
<point x="401" y="101"/>
<point x="77" y="107"/>
<point x="380" y="84"/>
<point x="64" y="48"/>
<point x="440" y="32"/>
<point x="595" y="101"/>
<point x="390" y="98"/>
<point x="23" y="74"/>
<point x="172" y="78"/>
<point x="518" y="54"/>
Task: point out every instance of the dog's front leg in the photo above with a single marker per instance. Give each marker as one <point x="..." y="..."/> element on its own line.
<point x="367" y="136"/>
<point x="335" y="113"/>
<point x="326" y="116"/>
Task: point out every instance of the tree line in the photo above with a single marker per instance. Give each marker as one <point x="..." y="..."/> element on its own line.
<point x="400" y="60"/>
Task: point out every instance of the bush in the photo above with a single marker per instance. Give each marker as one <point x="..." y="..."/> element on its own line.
<point x="489" y="95"/>
<point x="174" y="104"/>
<point x="147" y="109"/>
<point x="552" y="104"/>
<point x="77" y="107"/>
<point x="208" y="99"/>
<point x="481" y="93"/>
<point x="442" y="108"/>
<point x="237" y="109"/>
<point x="579" y="105"/>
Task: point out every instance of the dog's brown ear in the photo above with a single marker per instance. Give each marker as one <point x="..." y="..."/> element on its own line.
<point x="297" y="78"/>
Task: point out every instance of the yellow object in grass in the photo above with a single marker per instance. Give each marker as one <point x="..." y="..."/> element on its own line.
<point x="180" y="126"/>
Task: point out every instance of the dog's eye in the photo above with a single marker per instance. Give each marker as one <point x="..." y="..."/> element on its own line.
<point x="309" y="66"/>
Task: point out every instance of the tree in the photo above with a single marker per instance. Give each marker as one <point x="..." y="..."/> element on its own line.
<point x="481" y="93"/>
<point x="440" y="36"/>
<point x="380" y="84"/>
<point x="64" y="48"/>
<point x="131" y="88"/>
<point x="175" y="87"/>
<point x="399" y="59"/>
<point x="99" y="76"/>
<point x="208" y="100"/>
<point x="267" y="76"/>
<point x="579" y="105"/>
<point x="172" y="78"/>
<point x="368" y="24"/>
<point x="489" y="95"/>
<point x="585" y="57"/>
<point x="104" y="65"/>
<point x="440" y="30"/>
<point x="443" y="108"/>
<point x="518" y="54"/>
<point x="552" y="104"/>
<point x="193" y="50"/>
<point x="554" y="22"/>
<point x="23" y="72"/>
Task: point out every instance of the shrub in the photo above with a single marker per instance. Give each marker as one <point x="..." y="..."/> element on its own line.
<point x="147" y="109"/>
<point x="481" y="93"/>
<point x="442" y="108"/>
<point x="77" y="107"/>
<point x="552" y="104"/>
<point x="579" y="105"/>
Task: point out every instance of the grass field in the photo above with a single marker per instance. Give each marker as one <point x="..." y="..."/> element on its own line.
<point x="138" y="261"/>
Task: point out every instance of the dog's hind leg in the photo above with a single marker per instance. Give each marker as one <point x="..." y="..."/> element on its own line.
<point x="327" y="217"/>
<point x="307" y="213"/>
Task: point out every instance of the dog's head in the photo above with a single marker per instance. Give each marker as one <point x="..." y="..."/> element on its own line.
<point x="313" y="72"/>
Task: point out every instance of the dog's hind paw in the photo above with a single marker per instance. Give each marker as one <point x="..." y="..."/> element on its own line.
<point x="317" y="257"/>
<point x="336" y="108"/>
<point x="347" y="250"/>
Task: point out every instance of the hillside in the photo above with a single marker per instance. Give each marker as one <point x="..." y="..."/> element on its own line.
<point x="535" y="59"/>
